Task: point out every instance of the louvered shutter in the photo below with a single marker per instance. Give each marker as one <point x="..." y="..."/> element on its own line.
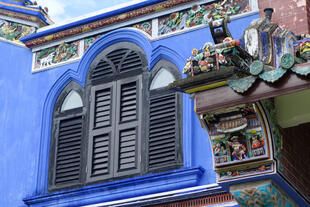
<point x="68" y="152"/>
<point x="132" y="61"/>
<point x="164" y="136"/>
<point x="103" y="70"/>
<point x="101" y="132"/>
<point x="128" y="127"/>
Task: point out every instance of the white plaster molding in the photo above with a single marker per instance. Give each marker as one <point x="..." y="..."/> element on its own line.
<point x="35" y="70"/>
<point x="155" y="28"/>
<point x="254" y="5"/>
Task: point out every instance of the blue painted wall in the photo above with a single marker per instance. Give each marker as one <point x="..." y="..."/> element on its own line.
<point x="22" y="98"/>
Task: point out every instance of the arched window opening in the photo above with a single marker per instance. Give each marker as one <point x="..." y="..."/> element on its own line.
<point x="124" y="123"/>
<point x="165" y="119"/>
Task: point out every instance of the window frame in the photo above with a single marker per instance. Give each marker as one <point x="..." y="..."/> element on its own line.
<point x="179" y="116"/>
<point x="59" y="116"/>
<point x="145" y="79"/>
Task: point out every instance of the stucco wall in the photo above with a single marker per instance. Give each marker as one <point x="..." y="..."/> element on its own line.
<point x="24" y="94"/>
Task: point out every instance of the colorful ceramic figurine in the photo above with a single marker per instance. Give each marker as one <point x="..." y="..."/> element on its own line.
<point x="303" y="48"/>
<point x="239" y="150"/>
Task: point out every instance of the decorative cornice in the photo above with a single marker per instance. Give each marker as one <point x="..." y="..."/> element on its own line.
<point x="32" y="41"/>
<point x="22" y="16"/>
<point x="25" y="16"/>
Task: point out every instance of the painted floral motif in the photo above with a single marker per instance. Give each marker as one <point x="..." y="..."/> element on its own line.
<point x="14" y="31"/>
<point x="144" y="26"/>
<point x="57" y="54"/>
<point x="263" y="195"/>
<point x="90" y="40"/>
<point x="201" y="14"/>
<point x="236" y="135"/>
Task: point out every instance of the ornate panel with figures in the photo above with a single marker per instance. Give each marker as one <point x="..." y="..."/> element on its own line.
<point x="57" y="54"/>
<point x="201" y="14"/>
<point x="239" y="135"/>
<point x="14" y="31"/>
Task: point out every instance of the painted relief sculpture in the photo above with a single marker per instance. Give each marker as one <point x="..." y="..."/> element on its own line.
<point x="201" y="14"/>
<point x="261" y="193"/>
<point x="145" y="27"/>
<point x="14" y="31"/>
<point x="240" y="67"/>
<point x="237" y="136"/>
<point x="57" y="54"/>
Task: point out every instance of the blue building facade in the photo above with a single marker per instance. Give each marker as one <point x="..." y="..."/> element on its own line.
<point x="38" y="65"/>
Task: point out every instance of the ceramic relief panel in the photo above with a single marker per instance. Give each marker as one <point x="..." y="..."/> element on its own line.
<point x="14" y="31"/>
<point x="144" y="26"/>
<point x="234" y="173"/>
<point x="90" y="40"/>
<point x="57" y="54"/>
<point x="236" y="135"/>
<point x="201" y="14"/>
<point x="261" y="193"/>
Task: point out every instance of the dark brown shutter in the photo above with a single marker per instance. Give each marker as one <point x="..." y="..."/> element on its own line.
<point x="68" y="151"/>
<point x="163" y="144"/>
<point x="128" y="127"/>
<point x="101" y="132"/>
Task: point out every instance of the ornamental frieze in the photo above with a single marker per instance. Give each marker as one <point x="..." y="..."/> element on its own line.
<point x="22" y="16"/>
<point x="105" y="22"/>
<point x="57" y="54"/>
<point x="145" y="27"/>
<point x="14" y="31"/>
<point x="261" y="193"/>
<point x="200" y="14"/>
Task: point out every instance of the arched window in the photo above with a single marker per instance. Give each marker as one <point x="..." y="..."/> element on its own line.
<point x="165" y="119"/>
<point x="123" y="124"/>
<point x="68" y="139"/>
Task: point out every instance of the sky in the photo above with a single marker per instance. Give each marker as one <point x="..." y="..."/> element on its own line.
<point x="60" y="10"/>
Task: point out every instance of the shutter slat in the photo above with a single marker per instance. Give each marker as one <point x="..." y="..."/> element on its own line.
<point x="69" y="165"/>
<point x="74" y="138"/>
<point x="160" y="152"/>
<point x="69" y="144"/>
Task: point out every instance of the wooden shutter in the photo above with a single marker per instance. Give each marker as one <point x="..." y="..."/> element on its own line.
<point x="101" y="132"/>
<point x="164" y="136"/>
<point x="103" y="70"/>
<point x="131" y="62"/>
<point x="68" y="152"/>
<point x="128" y="127"/>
